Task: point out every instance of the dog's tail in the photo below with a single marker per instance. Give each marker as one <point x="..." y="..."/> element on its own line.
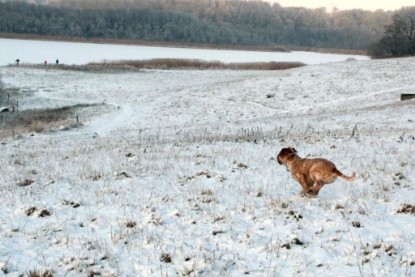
<point x="347" y="178"/>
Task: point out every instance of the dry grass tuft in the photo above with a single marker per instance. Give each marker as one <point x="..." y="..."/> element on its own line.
<point x="407" y="209"/>
<point x="166" y="258"/>
<point x="130" y="224"/>
<point x="35" y="273"/>
<point x="33" y="211"/>
<point x="25" y="183"/>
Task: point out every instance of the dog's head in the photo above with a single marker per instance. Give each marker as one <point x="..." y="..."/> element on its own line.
<point x="286" y="154"/>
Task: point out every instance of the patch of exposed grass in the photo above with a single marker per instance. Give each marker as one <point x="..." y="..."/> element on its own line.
<point x="184" y="64"/>
<point x="7" y="95"/>
<point x="1" y="88"/>
<point x="194" y="64"/>
<point x="3" y="94"/>
<point x="40" y="120"/>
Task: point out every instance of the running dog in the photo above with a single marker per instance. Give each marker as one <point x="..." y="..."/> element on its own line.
<point x="312" y="174"/>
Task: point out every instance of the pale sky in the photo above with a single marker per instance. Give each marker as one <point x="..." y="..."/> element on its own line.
<point x="347" y="4"/>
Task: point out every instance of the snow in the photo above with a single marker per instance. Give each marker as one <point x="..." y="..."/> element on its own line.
<point x="36" y="52"/>
<point x="177" y="174"/>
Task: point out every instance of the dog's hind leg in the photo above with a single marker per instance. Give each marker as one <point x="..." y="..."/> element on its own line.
<point x="315" y="189"/>
<point x="303" y="182"/>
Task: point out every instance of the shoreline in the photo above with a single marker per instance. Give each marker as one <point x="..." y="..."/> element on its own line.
<point x="264" y="48"/>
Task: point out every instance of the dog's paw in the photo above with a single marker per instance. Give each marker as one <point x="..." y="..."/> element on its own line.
<point x="309" y="194"/>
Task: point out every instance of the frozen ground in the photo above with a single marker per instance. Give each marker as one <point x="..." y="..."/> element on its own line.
<point x="178" y="177"/>
<point x="36" y="52"/>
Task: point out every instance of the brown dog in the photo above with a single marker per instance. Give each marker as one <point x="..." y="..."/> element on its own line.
<point x="312" y="174"/>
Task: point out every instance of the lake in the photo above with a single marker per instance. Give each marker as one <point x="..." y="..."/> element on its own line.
<point x="35" y="51"/>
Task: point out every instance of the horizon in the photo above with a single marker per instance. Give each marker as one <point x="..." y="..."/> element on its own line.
<point x="347" y="5"/>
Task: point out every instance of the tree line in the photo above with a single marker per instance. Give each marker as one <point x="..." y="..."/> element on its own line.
<point x="223" y="22"/>
<point x="399" y="37"/>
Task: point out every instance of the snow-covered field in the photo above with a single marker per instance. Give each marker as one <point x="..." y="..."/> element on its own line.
<point x="178" y="177"/>
<point x="36" y="52"/>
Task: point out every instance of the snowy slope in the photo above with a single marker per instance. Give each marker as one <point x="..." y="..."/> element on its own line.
<point x="178" y="176"/>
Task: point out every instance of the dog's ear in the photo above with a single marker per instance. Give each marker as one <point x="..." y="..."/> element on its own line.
<point x="293" y="149"/>
<point x="278" y="159"/>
